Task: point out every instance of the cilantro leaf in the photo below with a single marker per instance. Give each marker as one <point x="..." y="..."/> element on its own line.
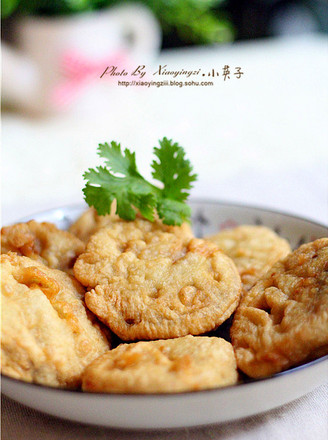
<point x="116" y="161"/>
<point x="173" y="170"/>
<point x="120" y="180"/>
<point x="130" y="191"/>
<point x="173" y="212"/>
<point x="98" y="197"/>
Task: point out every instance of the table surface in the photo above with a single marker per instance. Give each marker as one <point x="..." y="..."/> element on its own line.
<point x="261" y="140"/>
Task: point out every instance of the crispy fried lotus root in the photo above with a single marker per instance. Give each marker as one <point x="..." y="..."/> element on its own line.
<point x="283" y="320"/>
<point x="147" y="283"/>
<point x="48" y="335"/>
<point x="90" y="222"/>
<point x="254" y="249"/>
<point x="43" y="242"/>
<point x="174" y="365"/>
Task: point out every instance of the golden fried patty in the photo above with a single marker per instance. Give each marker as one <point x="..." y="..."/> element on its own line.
<point x="183" y="364"/>
<point x="148" y="284"/>
<point x="43" y="242"/>
<point x="254" y="249"/>
<point x="90" y="222"/>
<point x="48" y="336"/>
<point x="283" y="320"/>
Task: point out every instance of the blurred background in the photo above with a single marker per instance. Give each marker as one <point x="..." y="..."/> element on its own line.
<point x="261" y="139"/>
<point x="192" y="22"/>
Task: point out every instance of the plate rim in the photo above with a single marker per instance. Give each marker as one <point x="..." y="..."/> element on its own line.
<point x="194" y="200"/>
<point x="249" y="382"/>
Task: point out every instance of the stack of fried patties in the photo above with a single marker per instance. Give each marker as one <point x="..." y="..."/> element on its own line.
<point x="160" y="290"/>
<point x="48" y="334"/>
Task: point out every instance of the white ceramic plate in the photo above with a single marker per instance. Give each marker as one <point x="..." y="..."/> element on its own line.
<point x="142" y="411"/>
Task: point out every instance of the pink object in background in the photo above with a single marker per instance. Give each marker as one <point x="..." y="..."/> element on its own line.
<point x="78" y="72"/>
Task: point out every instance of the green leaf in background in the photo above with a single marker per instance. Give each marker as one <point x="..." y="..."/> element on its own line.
<point x="60" y="7"/>
<point x="193" y="21"/>
<point x="8" y="7"/>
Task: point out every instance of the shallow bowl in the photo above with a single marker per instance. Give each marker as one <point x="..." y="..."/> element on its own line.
<point x="156" y="411"/>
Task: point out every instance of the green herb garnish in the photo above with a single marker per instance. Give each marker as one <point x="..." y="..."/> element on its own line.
<point x="120" y="180"/>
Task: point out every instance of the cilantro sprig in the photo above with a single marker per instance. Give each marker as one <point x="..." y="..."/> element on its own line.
<point x="120" y="180"/>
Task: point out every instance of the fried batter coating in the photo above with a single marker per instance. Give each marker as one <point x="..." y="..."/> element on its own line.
<point x="90" y="222"/>
<point x="166" y="366"/>
<point x="43" y="242"/>
<point x="283" y="320"/>
<point x="150" y="284"/>
<point x="254" y="249"/>
<point x="48" y="335"/>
